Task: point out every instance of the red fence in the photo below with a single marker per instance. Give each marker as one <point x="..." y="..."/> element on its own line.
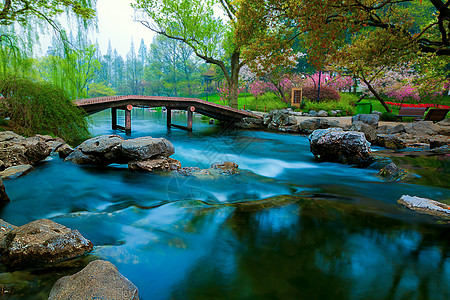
<point x="426" y="105"/>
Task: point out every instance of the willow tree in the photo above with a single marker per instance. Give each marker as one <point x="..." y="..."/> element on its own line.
<point x="194" y="23"/>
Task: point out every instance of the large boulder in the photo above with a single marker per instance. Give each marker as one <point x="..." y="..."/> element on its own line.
<point x="444" y="127"/>
<point x="370" y="119"/>
<point x="157" y="164"/>
<point x="37" y="151"/>
<point x="15" y="171"/>
<point x="144" y="148"/>
<point x="41" y="242"/>
<point x="98" y="280"/>
<point x="425" y="205"/>
<point x="100" y="145"/>
<point x="336" y="145"/>
<point x="422" y="128"/>
<point x="100" y="150"/>
<point x="9" y="136"/>
<point x="308" y="126"/>
<point x="368" y="130"/>
<point x="5" y="227"/>
<point x="390" y="141"/>
<point x="3" y="196"/>
<point x="13" y="154"/>
<point x="107" y="149"/>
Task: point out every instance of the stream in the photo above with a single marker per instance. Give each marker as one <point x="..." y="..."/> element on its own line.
<point x="322" y="231"/>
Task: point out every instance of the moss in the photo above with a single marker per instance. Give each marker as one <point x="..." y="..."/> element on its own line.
<point x="41" y="108"/>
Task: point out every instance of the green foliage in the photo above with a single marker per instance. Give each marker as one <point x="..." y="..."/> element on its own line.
<point x="38" y="107"/>
<point x="23" y="11"/>
<point x="345" y="105"/>
<point x="327" y="93"/>
<point x="266" y="102"/>
<point x="386" y="116"/>
<point x="100" y="90"/>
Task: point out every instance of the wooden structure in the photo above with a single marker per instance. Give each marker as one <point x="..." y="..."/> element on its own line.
<point x="436" y="114"/>
<point x="296" y="97"/>
<point x="416" y="112"/>
<point x="216" y="111"/>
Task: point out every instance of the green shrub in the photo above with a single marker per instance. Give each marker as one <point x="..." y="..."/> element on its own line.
<point x="346" y="108"/>
<point x="327" y="93"/>
<point x="41" y="108"/>
<point x="387" y="117"/>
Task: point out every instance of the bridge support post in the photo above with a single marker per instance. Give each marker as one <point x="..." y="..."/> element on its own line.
<point x="128" y="119"/>
<point x="190" y="112"/>
<point x="169" y="117"/>
<point x="114" y="118"/>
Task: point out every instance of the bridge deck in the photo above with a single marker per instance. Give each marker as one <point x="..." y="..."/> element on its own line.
<point x="209" y="109"/>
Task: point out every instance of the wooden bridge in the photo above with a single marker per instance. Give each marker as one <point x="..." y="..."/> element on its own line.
<point x="191" y="105"/>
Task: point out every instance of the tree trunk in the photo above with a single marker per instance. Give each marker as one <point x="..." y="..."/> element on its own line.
<point x="233" y="83"/>
<point x="377" y="96"/>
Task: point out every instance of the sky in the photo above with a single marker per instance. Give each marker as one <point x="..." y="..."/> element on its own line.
<point x="115" y="23"/>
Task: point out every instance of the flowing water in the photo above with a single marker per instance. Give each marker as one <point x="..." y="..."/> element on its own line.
<point x="287" y="227"/>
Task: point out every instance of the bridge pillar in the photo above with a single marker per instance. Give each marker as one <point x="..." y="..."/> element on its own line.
<point x="169" y="117"/>
<point x="190" y="112"/>
<point x="128" y="119"/>
<point x="114" y="118"/>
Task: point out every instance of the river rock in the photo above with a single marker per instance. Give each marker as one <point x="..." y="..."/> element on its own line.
<point x="98" y="280"/>
<point x="13" y="155"/>
<point x="15" y="171"/>
<point x="144" y="148"/>
<point x="425" y="205"/>
<point x="64" y="150"/>
<point x="9" y="136"/>
<point x="400" y="128"/>
<point x="226" y="167"/>
<point x="370" y="119"/>
<point x="444" y="127"/>
<point x="439" y="141"/>
<point x="5" y="227"/>
<point x="421" y="128"/>
<point x="368" y="130"/>
<point x="37" y="152"/>
<point x="292" y="128"/>
<point x="313" y="113"/>
<point x="100" y="145"/>
<point x="163" y="164"/>
<point x="3" y="196"/>
<point x="322" y="113"/>
<point x="336" y="145"/>
<point x="392" y="173"/>
<point x="389" y="141"/>
<point x="42" y="242"/>
<point x="308" y="126"/>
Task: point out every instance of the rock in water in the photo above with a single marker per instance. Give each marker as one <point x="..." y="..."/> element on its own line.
<point x="392" y="173"/>
<point x="15" y="171"/>
<point x="164" y="164"/>
<point x="5" y="227"/>
<point x="3" y="196"/>
<point x="41" y="242"/>
<point x="226" y="167"/>
<point x="146" y="147"/>
<point x="98" y="280"/>
<point x="425" y="205"/>
<point x="336" y="145"/>
<point x="37" y="152"/>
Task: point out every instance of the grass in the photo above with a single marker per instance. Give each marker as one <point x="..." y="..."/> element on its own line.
<point x="270" y="102"/>
<point x="266" y="102"/>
